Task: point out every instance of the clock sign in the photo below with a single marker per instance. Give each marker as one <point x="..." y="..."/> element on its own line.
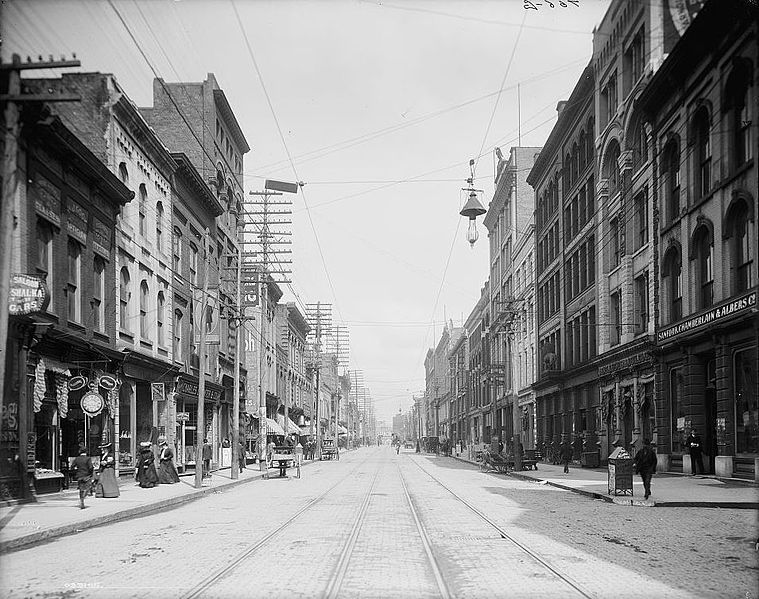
<point x="92" y="403"/>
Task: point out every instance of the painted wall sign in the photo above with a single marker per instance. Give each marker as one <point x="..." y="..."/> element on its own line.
<point x="191" y="389"/>
<point x="729" y="308"/>
<point x="28" y="293"/>
<point x="31" y="451"/>
<point x="47" y="202"/>
<point x="625" y="363"/>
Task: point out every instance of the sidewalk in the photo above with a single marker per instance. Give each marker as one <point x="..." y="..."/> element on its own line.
<point x="667" y="489"/>
<point x="58" y="514"/>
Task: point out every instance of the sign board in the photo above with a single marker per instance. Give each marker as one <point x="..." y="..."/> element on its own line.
<point x="249" y="293"/>
<point x="31" y="451"/>
<point x="281" y="186"/>
<point x="192" y="389"/>
<point x="212" y="316"/>
<point x="28" y="293"/>
<point x="92" y="403"/>
<point x="183" y="416"/>
<point x="681" y="423"/>
<point x="157" y="391"/>
<point x="722" y="311"/>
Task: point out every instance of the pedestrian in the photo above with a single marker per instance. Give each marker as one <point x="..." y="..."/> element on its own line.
<point x="241" y="458"/>
<point x="207" y="456"/>
<point x="565" y="455"/>
<point x="147" y="477"/>
<point x="83" y="469"/>
<point x="167" y="472"/>
<point x="644" y="464"/>
<point x="107" y="485"/>
<point x="693" y="443"/>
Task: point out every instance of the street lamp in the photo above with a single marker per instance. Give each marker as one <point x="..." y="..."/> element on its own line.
<point x="473" y="207"/>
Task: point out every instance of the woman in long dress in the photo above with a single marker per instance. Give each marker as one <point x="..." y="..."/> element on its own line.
<point x="167" y="472"/>
<point x="107" y="485"/>
<point x="146" y="475"/>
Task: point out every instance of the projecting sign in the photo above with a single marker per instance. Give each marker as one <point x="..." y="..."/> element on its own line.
<point x="183" y="416"/>
<point x="28" y="293"/>
<point x="281" y="186"/>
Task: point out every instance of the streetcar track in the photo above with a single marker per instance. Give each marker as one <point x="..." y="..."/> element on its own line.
<point x="220" y="573"/>
<point x="505" y="535"/>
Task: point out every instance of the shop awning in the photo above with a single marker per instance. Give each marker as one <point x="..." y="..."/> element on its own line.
<point x="294" y="428"/>
<point x="342" y="430"/>
<point x="306" y="430"/>
<point x="273" y="428"/>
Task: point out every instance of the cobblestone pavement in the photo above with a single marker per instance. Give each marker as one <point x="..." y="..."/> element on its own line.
<point x="287" y="538"/>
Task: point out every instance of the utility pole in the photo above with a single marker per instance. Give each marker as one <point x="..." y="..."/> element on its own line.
<point x="340" y="342"/>
<point x="11" y="100"/>
<point x="236" y="395"/>
<point x="201" y="426"/>
<point x="319" y="318"/>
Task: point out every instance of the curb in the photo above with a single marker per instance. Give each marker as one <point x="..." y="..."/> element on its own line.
<point x="36" y="538"/>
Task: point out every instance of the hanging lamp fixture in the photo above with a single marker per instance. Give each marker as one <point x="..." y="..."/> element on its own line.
<point x="473" y="207"/>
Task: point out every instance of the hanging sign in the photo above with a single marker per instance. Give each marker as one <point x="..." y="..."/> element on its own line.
<point x="183" y="416"/>
<point x="92" y="403"/>
<point x="28" y="293"/>
<point x="31" y="451"/>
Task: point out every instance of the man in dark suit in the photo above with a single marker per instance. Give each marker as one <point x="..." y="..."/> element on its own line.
<point x="693" y="443"/>
<point x="83" y="470"/>
<point x="644" y="464"/>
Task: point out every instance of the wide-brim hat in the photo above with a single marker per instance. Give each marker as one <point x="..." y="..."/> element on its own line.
<point x="161" y="440"/>
<point x="145" y="444"/>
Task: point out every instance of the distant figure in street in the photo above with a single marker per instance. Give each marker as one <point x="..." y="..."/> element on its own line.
<point x="417" y="446"/>
<point x="693" y="443"/>
<point x="83" y="469"/>
<point x="644" y="464"/>
<point x="147" y="477"/>
<point x="107" y="485"/>
<point x="167" y="472"/>
<point x="565" y="455"/>
<point x="241" y="455"/>
<point x="207" y="457"/>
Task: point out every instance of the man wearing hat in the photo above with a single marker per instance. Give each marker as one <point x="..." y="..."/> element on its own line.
<point x="167" y="472"/>
<point x="82" y="467"/>
<point x="107" y="484"/>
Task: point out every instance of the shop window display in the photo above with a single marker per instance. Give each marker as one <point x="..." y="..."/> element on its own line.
<point x="746" y="402"/>
<point x="126" y="457"/>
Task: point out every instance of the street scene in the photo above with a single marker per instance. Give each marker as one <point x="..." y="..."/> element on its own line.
<point x="381" y="524"/>
<point x="355" y="298"/>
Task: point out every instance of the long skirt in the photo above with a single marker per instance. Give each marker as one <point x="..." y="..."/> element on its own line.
<point x="107" y="485"/>
<point x="167" y="473"/>
<point x="148" y="477"/>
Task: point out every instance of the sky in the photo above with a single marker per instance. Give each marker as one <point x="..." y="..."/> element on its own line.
<point x="377" y="107"/>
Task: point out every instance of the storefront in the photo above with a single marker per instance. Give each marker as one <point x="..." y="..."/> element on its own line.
<point x="186" y="401"/>
<point x="707" y="379"/>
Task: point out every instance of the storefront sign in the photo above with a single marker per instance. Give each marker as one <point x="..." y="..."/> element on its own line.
<point x="157" y="391"/>
<point x="47" y="202"/>
<point x="92" y="403"/>
<point x="191" y="389"/>
<point x="183" y="416"/>
<point x="31" y="451"/>
<point x="625" y="363"/>
<point x="28" y="293"/>
<point x="725" y="310"/>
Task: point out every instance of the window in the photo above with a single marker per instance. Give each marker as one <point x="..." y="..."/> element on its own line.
<point x="159" y="226"/>
<point x="160" y="315"/>
<point x="641" y="220"/>
<point x="740" y="246"/>
<point x="74" y="284"/>
<point x="746" y="403"/>
<point x="614" y="240"/>
<point x="640" y="146"/>
<point x="611" y="168"/>
<point x="703" y="250"/>
<point x="671" y="168"/>
<point x="124" y="297"/>
<point x="583" y="149"/>
<point x="615" y="318"/>
<point x="703" y="153"/>
<point x="672" y="272"/>
<point x="142" y="207"/>
<point x="144" y="309"/>
<point x="634" y="62"/>
<point x="124" y="173"/>
<point x="177" y="251"/>
<point x="641" y="304"/>
<point x="739" y="120"/>
<point x="45" y="256"/>
<point x="98" y="293"/>
<point x="177" y="345"/>
<point x="193" y="264"/>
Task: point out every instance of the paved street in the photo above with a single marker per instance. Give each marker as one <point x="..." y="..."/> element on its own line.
<point x="377" y="524"/>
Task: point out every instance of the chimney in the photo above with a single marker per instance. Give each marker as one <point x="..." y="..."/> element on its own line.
<point x="560" y="106"/>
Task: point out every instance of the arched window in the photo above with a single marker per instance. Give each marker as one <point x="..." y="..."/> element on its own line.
<point x="74" y="284"/>
<point x="159" y="226"/>
<point x="741" y="246"/>
<point x="640" y="146"/>
<point x="671" y="172"/>
<point x="672" y="272"/>
<point x="177" y="348"/>
<point x="124" y="173"/>
<point x="160" y="316"/>
<point x="124" y="296"/>
<point x="583" y="149"/>
<point x="703" y="253"/>
<point x="566" y="178"/>
<point x="144" y="308"/>
<point x="142" y="207"/>
<point x="611" y="168"/>
<point x="575" y="162"/>
<point x="98" y="295"/>
<point x="591" y="136"/>
<point x="702" y="154"/>
<point x="738" y="106"/>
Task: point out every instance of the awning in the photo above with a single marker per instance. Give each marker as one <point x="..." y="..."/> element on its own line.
<point x="342" y="429"/>
<point x="293" y="428"/>
<point x="306" y="430"/>
<point x="273" y="428"/>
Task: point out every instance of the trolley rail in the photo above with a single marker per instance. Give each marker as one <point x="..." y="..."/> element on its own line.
<point x="505" y="535"/>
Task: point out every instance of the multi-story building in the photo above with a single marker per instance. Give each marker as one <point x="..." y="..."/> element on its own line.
<point x="458" y="361"/>
<point x="438" y="385"/>
<point x="566" y="254"/>
<point x="478" y="408"/>
<point x="63" y="348"/>
<point x="509" y="224"/>
<point x="701" y="105"/>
